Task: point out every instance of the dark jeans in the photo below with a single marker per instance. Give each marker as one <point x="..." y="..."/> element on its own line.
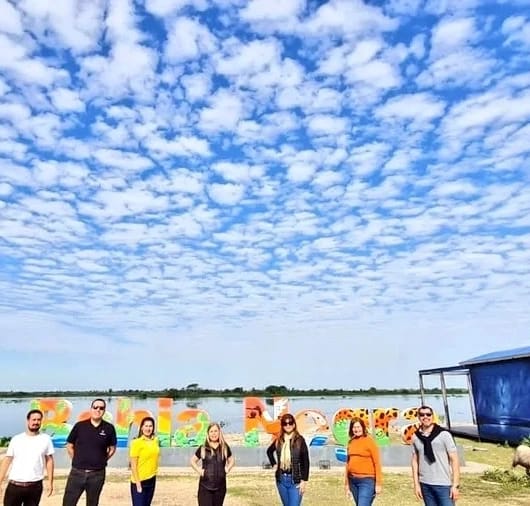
<point x="80" y="481"/>
<point x="144" y="497"/>
<point x="436" y="495"/>
<point x="362" y="490"/>
<point x="289" y="492"/>
<point x="211" y="497"/>
<point x="15" y="495"/>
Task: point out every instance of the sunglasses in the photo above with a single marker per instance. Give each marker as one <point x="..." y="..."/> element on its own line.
<point x="423" y="415"/>
<point x="99" y="408"/>
<point x="287" y="422"/>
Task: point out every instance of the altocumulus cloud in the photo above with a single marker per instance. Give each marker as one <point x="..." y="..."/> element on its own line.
<point x="330" y="193"/>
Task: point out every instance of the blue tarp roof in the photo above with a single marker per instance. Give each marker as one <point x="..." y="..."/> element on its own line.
<point x="499" y="355"/>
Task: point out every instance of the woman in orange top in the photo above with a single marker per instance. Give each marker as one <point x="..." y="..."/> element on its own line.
<point x="363" y="467"/>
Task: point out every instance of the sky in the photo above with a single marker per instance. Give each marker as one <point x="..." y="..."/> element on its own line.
<point x="317" y="194"/>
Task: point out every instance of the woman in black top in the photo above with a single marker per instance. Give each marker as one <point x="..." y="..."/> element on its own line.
<point x="289" y="456"/>
<point x="216" y="461"/>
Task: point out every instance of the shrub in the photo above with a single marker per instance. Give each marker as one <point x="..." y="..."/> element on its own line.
<point x="526" y="440"/>
<point x="506" y="477"/>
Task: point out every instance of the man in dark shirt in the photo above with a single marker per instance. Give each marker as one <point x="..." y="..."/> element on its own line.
<point x="90" y="444"/>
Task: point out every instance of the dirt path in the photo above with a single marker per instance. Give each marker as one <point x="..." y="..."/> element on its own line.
<point x="178" y="486"/>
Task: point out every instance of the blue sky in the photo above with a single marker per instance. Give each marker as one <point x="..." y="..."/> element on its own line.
<point x="245" y="193"/>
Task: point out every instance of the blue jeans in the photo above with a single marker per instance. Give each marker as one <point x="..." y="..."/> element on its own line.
<point x="144" y="497"/>
<point x="362" y="490"/>
<point x="436" y="495"/>
<point x="289" y="493"/>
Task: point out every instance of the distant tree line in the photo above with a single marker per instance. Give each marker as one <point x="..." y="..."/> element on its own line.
<point x="193" y="390"/>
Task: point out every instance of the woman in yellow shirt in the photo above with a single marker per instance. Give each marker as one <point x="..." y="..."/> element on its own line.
<point x="144" y="454"/>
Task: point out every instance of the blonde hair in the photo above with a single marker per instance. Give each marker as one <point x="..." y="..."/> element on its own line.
<point x="207" y="443"/>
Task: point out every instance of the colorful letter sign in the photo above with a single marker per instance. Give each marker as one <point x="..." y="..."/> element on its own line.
<point x="188" y="427"/>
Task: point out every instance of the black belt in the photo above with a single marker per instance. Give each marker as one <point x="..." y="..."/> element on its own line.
<point x="24" y="483"/>
<point x="283" y="471"/>
<point x="88" y="470"/>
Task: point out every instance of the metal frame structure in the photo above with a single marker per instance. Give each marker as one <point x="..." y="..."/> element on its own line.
<point x="464" y="368"/>
<point x="457" y="370"/>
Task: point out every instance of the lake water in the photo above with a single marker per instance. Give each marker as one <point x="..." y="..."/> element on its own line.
<point x="230" y="410"/>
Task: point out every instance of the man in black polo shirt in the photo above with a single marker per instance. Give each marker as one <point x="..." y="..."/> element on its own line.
<point x="90" y="444"/>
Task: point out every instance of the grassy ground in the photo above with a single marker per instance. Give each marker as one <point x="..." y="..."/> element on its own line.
<point x="486" y="453"/>
<point x="327" y="490"/>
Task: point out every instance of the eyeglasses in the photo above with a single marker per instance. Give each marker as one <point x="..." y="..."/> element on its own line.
<point x="287" y="422"/>
<point x="424" y="415"/>
<point x="99" y="408"/>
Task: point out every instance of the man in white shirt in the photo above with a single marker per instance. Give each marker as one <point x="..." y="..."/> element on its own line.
<point x="29" y="454"/>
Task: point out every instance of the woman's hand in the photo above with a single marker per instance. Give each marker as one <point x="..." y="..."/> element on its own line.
<point x="301" y="487"/>
<point x="378" y="489"/>
<point x="139" y="487"/>
<point x="347" y="491"/>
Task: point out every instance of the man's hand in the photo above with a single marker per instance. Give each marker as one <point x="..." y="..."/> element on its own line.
<point x="455" y="492"/>
<point x="49" y="489"/>
<point x="417" y="492"/>
<point x="139" y="487"/>
<point x="378" y="489"/>
<point x="348" y="493"/>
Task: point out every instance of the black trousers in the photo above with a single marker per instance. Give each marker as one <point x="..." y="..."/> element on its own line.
<point x="30" y="495"/>
<point x="79" y="481"/>
<point x="208" y="497"/>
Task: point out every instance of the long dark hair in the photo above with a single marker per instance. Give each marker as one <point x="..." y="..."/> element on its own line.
<point x="281" y="438"/>
<point x="142" y="423"/>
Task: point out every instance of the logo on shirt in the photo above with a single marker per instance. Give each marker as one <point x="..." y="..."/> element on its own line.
<point x="102" y="433"/>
